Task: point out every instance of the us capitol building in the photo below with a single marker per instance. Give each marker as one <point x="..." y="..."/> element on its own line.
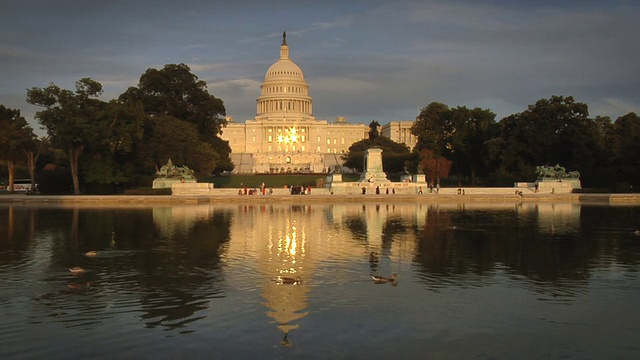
<point x="285" y="137"/>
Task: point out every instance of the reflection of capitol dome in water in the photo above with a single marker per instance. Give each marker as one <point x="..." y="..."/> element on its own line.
<point x="287" y="253"/>
<point x="276" y="239"/>
<point x="297" y="241"/>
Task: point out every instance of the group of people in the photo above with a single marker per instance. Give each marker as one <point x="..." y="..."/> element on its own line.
<point x="299" y="190"/>
<point x="246" y="191"/>
<point x="378" y="191"/>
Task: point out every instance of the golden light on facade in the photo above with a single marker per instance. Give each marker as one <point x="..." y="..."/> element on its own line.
<point x="290" y="136"/>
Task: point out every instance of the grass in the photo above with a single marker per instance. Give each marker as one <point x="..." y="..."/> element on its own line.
<point x="271" y="180"/>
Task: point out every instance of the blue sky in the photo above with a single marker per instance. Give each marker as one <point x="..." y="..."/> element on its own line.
<point x="382" y="60"/>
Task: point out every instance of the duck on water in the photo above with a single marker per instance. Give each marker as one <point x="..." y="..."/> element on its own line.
<point x="383" y="280"/>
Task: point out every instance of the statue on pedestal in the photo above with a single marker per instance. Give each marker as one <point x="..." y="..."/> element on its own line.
<point x="170" y="171"/>
<point x="556" y="172"/>
<point x="169" y="174"/>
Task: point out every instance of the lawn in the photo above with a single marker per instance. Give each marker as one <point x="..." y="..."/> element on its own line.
<point x="270" y="180"/>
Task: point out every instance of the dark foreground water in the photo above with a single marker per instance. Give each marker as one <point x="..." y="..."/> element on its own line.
<point x="171" y="282"/>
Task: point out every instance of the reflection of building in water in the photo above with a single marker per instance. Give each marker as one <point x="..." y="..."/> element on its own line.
<point x="558" y="217"/>
<point x="181" y="218"/>
<point x="275" y="238"/>
<point x="287" y="255"/>
<point x="296" y="240"/>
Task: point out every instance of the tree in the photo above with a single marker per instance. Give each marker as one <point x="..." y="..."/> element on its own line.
<point x="109" y="160"/>
<point x="174" y="93"/>
<point x="32" y="152"/>
<point x="459" y="134"/>
<point x="471" y="129"/>
<point x="434" y="167"/>
<point x="434" y="129"/>
<point x="16" y="137"/>
<point x="69" y="117"/>
<point x="626" y="150"/>
<point x="552" y="131"/>
<point x="175" y="139"/>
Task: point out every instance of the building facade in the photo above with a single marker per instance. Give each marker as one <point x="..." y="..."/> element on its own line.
<point x="285" y="137"/>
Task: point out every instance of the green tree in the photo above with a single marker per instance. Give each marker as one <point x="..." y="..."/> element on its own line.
<point x="69" y="117"/>
<point x="552" y="131"/>
<point x="471" y="129"/>
<point x="171" y="138"/>
<point x="172" y="94"/>
<point x="108" y="161"/>
<point x="626" y="150"/>
<point x="16" y="139"/>
<point x="458" y="134"/>
<point x="433" y="128"/>
<point x="394" y="155"/>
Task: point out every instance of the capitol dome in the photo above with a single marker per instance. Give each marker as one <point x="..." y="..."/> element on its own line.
<point x="284" y="92"/>
<point x="284" y="68"/>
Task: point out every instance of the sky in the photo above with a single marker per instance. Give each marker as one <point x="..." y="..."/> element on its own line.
<point x="364" y="60"/>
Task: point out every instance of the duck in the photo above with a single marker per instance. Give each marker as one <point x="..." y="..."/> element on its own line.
<point x="91" y="253"/>
<point x="382" y="279"/>
<point x="79" y="286"/>
<point x="289" y="280"/>
<point x="76" y="270"/>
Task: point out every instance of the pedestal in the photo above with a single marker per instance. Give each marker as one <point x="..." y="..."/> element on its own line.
<point x="373" y="167"/>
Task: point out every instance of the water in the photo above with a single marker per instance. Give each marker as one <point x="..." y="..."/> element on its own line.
<point x="474" y="281"/>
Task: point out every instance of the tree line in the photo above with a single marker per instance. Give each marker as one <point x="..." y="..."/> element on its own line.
<point x="105" y="146"/>
<point x="108" y="146"/>
<point x="469" y="147"/>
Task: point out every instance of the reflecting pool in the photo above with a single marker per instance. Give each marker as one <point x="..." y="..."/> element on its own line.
<point x="262" y="281"/>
